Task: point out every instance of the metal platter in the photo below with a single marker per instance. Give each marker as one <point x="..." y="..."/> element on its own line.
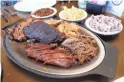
<point x="99" y="65"/>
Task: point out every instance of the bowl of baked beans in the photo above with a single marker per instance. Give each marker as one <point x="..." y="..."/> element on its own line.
<point x="44" y="12"/>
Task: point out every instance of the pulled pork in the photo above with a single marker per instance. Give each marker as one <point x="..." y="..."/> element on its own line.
<point x="83" y="47"/>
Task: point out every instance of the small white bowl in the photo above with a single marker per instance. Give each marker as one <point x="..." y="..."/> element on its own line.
<point x="61" y="15"/>
<point x="101" y="33"/>
<point x="54" y="12"/>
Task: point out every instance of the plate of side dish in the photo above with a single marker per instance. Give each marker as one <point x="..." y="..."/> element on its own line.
<point x="104" y="25"/>
<point x="73" y="14"/>
<point x="44" y="12"/>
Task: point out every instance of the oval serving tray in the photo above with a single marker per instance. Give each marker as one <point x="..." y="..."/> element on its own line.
<point x="15" y="51"/>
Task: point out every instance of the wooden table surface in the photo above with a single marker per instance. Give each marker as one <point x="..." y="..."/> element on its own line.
<point x="12" y="73"/>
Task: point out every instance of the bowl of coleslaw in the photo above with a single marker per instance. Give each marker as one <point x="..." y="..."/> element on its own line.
<point x="104" y="25"/>
<point x="72" y="14"/>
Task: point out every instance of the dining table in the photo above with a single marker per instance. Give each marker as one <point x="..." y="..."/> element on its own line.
<point x="13" y="73"/>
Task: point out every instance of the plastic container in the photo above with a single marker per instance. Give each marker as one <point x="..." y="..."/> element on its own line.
<point x="96" y="9"/>
<point x="82" y="4"/>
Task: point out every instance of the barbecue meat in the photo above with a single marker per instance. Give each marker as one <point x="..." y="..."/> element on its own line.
<point x="49" y="54"/>
<point x="42" y="33"/>
<point x="35" y="50"/>
<point x="69" y="29"/>
<point x="53" y="22"/>
<point x="16" y="32"/>
<point x="60" y="62"/>
<point x="59" y="59"/>
<point x="83" y="47"/>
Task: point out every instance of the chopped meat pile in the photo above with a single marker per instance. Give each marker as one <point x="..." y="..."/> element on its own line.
<point x="83" y="47"/>
<point x="69" y="29"/>
<point x="43" y="33"/>
<point x="16" y="32"/>
<point x="49" y="54"/>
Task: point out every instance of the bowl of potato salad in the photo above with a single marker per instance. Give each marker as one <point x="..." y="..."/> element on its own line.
<point x="72" y="14"/>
